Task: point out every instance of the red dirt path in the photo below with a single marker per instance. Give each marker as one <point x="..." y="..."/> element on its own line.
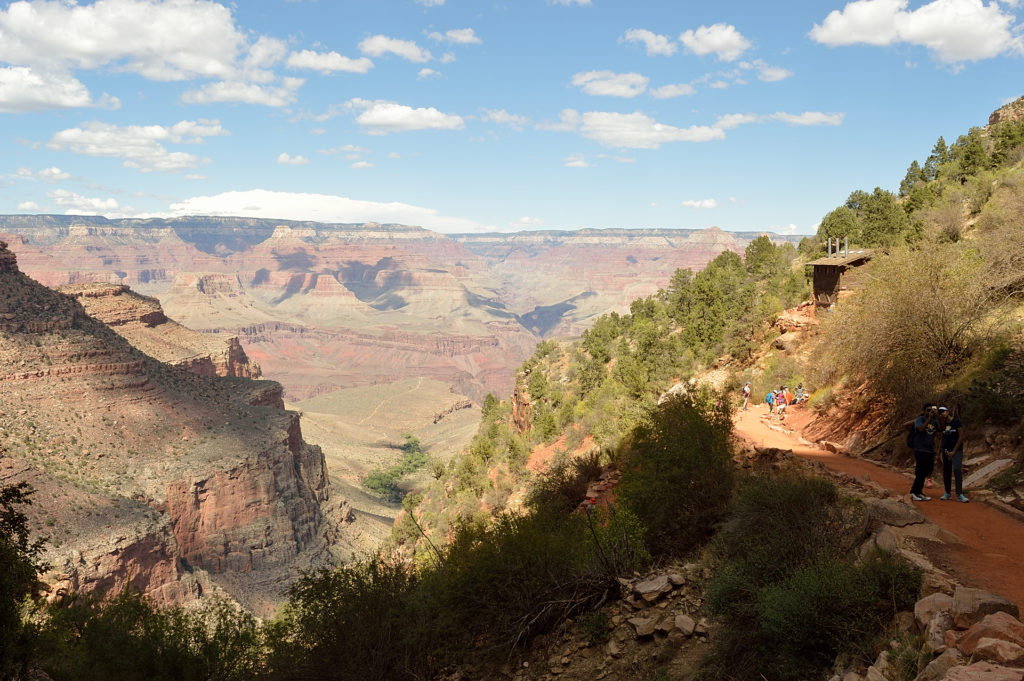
<point x="993" y="542"/>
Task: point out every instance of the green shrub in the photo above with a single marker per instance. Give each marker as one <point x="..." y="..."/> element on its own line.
<point x="566" y="485"/>
<point x="677" y="475"/>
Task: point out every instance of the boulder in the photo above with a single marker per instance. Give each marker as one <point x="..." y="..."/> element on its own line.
<point x="926" y="608"/>
<point x="685" y="624"/>
<point x="971" y="605"/>
<point x="935" y="632"/>
<point x="893" y="512"/>
<point x="1000" y="626"/>
<point x="1000" y="652"/>
<point x="983" y="671"/>
<point x="938" y="667"/>
<point x="652" y="589"/>
<point x="881" y="669"/>
<point x="787" y="342"/>
<point x="986" y="473"/>
<point x="644" y="626"/>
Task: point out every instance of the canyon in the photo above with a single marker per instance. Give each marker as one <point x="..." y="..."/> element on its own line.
<point x="183" y="483"/>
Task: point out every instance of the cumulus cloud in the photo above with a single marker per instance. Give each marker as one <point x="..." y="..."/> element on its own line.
<point x="503" y="117"/>
<point x="76" y="204"/>
<point x="361" y="164"/>
<point x="139" y="146"/>
<point x="526" y="222"/>
<point x="953" y="30"/>
<point x="654" y="43"/>
<point x="807" y="118"/>
<point x="568" y="120"/>
<point x="246" y="93"/>
<point x="286" y="159"/>
<point x="52" y="174"/>
<point x="766" y="72"/>
<point x="611" y="84"/>
<point x="381" y="117"/>
<point x="23" y="89"/>
<point x="262" y="203"/>
<point x="700" y="203"/>
<point x="327" y="62"/>
<point x="673" y="90"/>
<point x="457" y="36"/>
<point x="344" y="149"/>
<point x="427" y="73"/>
<point x="28" y="207"/>
<point x="575" y="161"/>
<point x="722" y="40"/>
<point x="639" y="131"/>
<point x="379" y="45"/>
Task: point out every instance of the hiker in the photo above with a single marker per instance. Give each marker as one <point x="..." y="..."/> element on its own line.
<point x="801" y="394"/>
<point x="781" y="402"/>
<point x="770" y="399"/>
<point x="746" y="395"/>
<point x="923" y="438"/>
<point x="952" y="448"/>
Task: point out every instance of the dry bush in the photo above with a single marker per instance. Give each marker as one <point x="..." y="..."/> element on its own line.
<point x="920" y="317"/>
<point x="1002" y="239"/>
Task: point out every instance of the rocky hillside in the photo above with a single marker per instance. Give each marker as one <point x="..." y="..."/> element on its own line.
<point x="148" y="473"/>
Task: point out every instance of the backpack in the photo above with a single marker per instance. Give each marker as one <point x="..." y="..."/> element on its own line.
<point x="770" y="398"/>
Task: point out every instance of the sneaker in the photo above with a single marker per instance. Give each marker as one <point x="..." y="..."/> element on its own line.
<point x="962" y="498"/>
<point x="919" y="497"/>
<point x="946" y="497"/>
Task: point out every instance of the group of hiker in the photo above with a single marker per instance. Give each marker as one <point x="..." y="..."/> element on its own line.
<point x="937" y="433"/>
<point x="777" y="400"/>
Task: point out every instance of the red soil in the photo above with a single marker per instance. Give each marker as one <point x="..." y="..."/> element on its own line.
<point x="993" y="542"/>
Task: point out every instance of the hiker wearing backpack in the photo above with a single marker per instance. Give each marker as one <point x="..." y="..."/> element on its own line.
<point x="922" y="439"/>
<point x="952" y="447"/>
<point x="746" y="395"/>
<point x="770" y="399"/>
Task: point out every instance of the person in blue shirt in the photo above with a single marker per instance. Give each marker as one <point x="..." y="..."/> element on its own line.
<point x="952" y="448"/>
<point x="925" y="428"/>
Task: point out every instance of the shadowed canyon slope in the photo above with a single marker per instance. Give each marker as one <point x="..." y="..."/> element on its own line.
<point x="326" y="306"/>
<point x="178" y="482"/>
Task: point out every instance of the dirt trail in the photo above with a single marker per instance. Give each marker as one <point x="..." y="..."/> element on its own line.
<point x="993" y="542"/>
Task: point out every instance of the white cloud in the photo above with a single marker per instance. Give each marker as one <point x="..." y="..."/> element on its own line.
<point x="502" y="117"/>
<point x="194" y="176"/>
<point x="381" y="117"/>
<point x="28" y="207"/>
<point x="611" y="84"/>
<point x="575" y="161"/>
<point x="378" y="45"/>
<point x="394" y="154"/>
<point x="638" y="131"/>
<point x="327" y="62"/>
<point x="76" y="204"/>
<point x="766" y="72"/>
<point x="700" y="203"/>
<point x="457" y="36"/>
<point x="262" y="203"/>
<point x="729" y="121"/>
<point x="245" y="93"/>
<point x="431" y="3"/>
<point x="809" y="118"/>
<point x="673" y="90"/>
<point x="23" y="89"/>
<point x="447" y="58"/>
<point x="568" y="120"/>
<point x="953" y="30"/>
<point x="139" y="146"/>
<point x="526" y="222"/>
<point x="654" y="42"/>
<point x="585" y="3"/>
<point x="52" y="174"/>
<point x="718" y="85"/>
<point x="361" y="164"/>
<point x="286" y="159"/>
<point x="344" y="149"/>
<point x="427" y="73"/>
<point x="722" y="40"/>
<point x="163" y="41"/>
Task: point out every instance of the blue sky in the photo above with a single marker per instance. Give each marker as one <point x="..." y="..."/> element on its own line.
<point x="477" y="115"/>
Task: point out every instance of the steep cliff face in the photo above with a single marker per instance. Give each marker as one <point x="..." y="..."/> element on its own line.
<point x="142" y="322"/>
<point x="146" y="472"/>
